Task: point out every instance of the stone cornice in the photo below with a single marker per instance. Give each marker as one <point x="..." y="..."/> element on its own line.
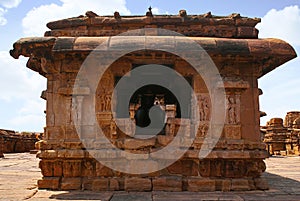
<point x="266" y="53"/>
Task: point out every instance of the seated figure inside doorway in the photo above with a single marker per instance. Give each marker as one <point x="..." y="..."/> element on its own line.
<point x="151" y="110"/>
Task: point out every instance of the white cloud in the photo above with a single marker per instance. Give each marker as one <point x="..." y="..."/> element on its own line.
<point x="7" y="4"/>
<point x="21" y="108"/>
<point x="34" y="23"/>
<point x="16" y="81"/>
<point x="281" y="91"/>
<point x="283" y="24"/>
<point x="10" y="3"/>
<point x="155" y="10"/>
<point x="3" y="21"/>
<point x="30" y="117"/>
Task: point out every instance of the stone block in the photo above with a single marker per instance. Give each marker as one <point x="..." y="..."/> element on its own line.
<point x="71" y="183"/>
<point x="184" y="167"/>
<point x="87" y="184"/>
<point x="217" y="168"/>
<point x="164" y="140"/>
<point x="100" y="184"/>
<point x="57" y="168"/>
<point x="74" y="154"/>
<point x="138" y="144"/>
<point x="234" y="168"/>
<point x="197" y="184"/>
<point x="204" y="168"/>
<point x="49" y="183"/>
<point x="167" y="184"/>
<point x="240" y="185"/>
<point x="73" y="144"/>
<point x="103" y="171"/>
<point x="138" y="166"/>
<point x="244" y="32"/>
<point x="64" y="43"/>
<point x="71" y="132"/>
<point x="88" y="168"/>
<point x="114" y="184"/>
<point x="72" y="168"/>
<point x="223" y="185"/>
<point x="137" y="184"/>
<point x="55" y="133"/>
<point x="46" y="168"/>
<point x="232" y="132"/>
<point x="261" y="184"/>
<point x="88" y="132"/>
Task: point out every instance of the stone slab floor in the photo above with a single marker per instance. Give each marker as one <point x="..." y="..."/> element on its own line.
<point x="19" y="173"/>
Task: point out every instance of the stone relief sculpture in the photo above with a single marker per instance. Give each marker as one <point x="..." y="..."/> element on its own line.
<point x="233" y="109"/>
<point x="113" y="129"/>
<point x="202" y="130"/>
<point x="77" y="109"/>
<point x="107" y="102"/>
<point x="204" y="107"/>
<point x="102" y="102"/>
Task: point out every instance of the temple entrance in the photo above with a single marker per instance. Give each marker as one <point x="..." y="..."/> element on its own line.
<point x="152" y="95"/>
<point x="151" y="106"/>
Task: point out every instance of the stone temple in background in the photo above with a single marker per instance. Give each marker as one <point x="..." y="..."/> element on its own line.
<point x="236" y="160"/>
<point x="17" y="142"/>
<point x="283" y="137"/>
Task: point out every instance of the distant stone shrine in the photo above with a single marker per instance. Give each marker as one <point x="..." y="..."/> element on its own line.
<point x="283" y="137"/>
<point x="90" y="140"/>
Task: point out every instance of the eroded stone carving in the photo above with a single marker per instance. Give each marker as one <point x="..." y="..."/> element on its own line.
<point x="204" y="107"/>
<point x="77" y="109"/>
<point x="233" y="109"/>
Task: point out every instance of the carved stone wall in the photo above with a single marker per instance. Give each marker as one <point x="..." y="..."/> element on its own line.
<point x="236" y="159"/>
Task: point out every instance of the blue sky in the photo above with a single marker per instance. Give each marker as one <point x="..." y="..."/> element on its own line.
<point x="20" y="106"/>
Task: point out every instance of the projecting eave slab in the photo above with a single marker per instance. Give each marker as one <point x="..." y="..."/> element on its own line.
<point x="267" y="53"/>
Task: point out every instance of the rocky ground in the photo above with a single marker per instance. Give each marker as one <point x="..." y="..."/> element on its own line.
<point x="19" y="173"/>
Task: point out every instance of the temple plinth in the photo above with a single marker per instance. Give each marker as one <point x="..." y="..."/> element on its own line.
<point x="235" y="160"/>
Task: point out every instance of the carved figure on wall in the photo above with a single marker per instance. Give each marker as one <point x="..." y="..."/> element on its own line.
<point x="107" y="102"/>
<point x="77" y="109"/>
<point x="113" y="129"/>
<point x="204" y="108"/>
<point x="232" y="110"/>
<point x="202" y="130"/>
<point x="102" y="102"/>
<point x="88" y="168"/>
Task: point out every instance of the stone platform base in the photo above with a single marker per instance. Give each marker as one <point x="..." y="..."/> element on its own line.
<point x="194" y="184"/>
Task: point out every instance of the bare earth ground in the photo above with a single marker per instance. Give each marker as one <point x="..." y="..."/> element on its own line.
<point x="19" y="174"/>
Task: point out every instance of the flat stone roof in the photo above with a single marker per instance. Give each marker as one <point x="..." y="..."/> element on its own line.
<point x="91" y="24"/>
